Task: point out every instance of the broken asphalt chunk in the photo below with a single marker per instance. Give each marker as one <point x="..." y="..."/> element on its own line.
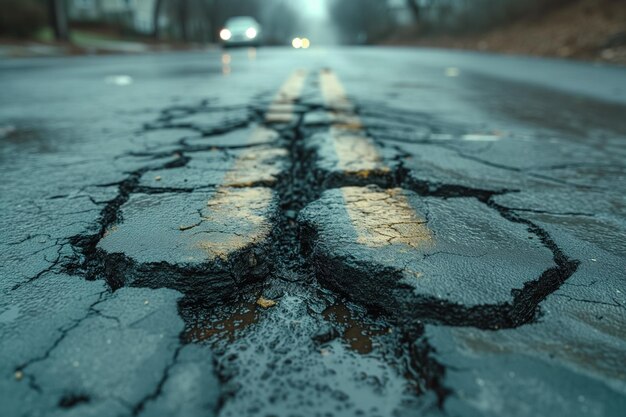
<point x="201" y="243"/>
<point x="454" y="261"/>
<point x="345" y="157"/>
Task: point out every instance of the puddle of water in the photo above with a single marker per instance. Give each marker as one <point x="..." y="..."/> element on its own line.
<point x="119" y="80"/>
<point x="477" y="137"/>
<point x="277" y="366"/>
<point x="452" y="72"/>
<point x="359" y="336"/>
<point x="242" y="316"/>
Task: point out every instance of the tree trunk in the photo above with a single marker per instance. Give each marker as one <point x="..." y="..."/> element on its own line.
<point x="183" y="17"/>
<point x="58" y="19"/>
<point x="155" y="18"/>
<point x="214" y="21"/>
<point x="212" y="16"/>
<point x="415" y="9"/>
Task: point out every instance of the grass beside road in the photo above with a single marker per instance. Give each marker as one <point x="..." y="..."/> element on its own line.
<point x="86" y="41"/>
<point x="587" y="29"/>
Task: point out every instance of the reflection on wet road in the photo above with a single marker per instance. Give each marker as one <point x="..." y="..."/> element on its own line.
<point x="337" y="232"/>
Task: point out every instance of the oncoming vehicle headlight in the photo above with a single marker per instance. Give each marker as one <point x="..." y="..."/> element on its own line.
<point x="251" y="33"/>
<point x="301" y="43"/>
<point x="225" y="34"/>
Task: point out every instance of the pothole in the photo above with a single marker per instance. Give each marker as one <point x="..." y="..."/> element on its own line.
<point x="305" y="332"/>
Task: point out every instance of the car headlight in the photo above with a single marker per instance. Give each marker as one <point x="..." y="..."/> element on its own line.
<point x="251" y="33"/>
<point x="225" y="34"/>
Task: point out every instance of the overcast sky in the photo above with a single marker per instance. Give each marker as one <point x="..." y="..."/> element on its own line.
<point x="315" y="8"/>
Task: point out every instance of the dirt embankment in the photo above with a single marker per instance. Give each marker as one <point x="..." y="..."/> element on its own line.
<point x="587" y="29"/>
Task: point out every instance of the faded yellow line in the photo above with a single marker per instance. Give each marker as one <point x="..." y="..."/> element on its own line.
<point x="385" y="217"/>
<point x="256" y="165"/>
<point x="236" y="206"/>
<point x="281" y="110"/>
<point x="379" y="217"/>
<point x="356" y="153"/>
<point x="237" y="202"/>
<point x="335" y="96"/>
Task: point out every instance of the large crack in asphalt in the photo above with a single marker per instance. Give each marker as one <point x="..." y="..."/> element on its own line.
<point x="524" y="308"/>
<point x="90" y="261"/>
<point x="288" y="262"/>
<point x="140" y="406"/>
<point x="63" y="333"/>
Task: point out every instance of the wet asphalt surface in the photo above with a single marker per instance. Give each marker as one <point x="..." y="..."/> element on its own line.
<point x="332" y="232"/>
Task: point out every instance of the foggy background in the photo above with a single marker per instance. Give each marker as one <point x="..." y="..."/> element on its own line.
<point x="590" y="29"/>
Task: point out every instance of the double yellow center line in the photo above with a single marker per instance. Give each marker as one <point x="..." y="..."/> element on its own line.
<point x="281" y="110"/>
<point x="379" y="217"/>
<point x="356" y="153"/>
<point x="237" y="201"/>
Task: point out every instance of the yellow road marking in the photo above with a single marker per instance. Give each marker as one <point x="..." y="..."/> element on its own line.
<point x="281" y="110"/>
<point x="334" y="94"/>
<point x="356" y="153"/>
<point x="256" y="164"/>
<point x="379" y="217"/>
<point x="235" y="202"/>
<point x="262" y="134"/>
<point x="385" y="217"/>
<point x="236" y="206"/>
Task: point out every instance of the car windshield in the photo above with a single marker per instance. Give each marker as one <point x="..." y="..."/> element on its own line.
<point x="241" y="22"/>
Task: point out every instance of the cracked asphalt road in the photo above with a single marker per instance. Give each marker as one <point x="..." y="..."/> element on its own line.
<point x="333" y="232"/>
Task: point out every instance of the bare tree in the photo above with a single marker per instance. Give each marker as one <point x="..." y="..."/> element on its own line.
<point x="156" y="16"/>
<point x="361" y="21"/>
<point x="199" y="20"/>
<point x="57" y="13"/>
<point x="414" y="8"/>
<point x="467" y="16"/>
<point x="280" y="22"/>
<point x="183" y="19"/>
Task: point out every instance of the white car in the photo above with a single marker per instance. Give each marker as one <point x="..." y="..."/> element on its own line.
<point x="241" y="31"/>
